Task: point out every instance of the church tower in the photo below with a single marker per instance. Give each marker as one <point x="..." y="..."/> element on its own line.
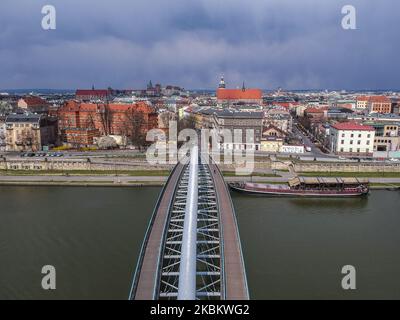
<point x="222" y="83"/>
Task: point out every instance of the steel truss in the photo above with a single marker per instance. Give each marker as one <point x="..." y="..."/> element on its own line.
<point x="209" y="273"/>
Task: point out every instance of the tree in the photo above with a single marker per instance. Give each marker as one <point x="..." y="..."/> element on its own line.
<point x="165" y="119"/>
<point x="188" y="122"/>
<point x="105" y="118"/>
<point x="5" y="108"/>
<point x="135" y="127"/>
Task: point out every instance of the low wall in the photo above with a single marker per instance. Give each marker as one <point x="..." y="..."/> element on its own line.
<point x="81" y="165"/>
<point x="84" y="165"/>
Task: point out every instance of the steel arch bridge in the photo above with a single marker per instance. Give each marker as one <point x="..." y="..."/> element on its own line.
<point x="192" y="247"/>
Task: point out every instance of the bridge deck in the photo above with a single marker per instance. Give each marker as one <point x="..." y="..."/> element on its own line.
<point x="235" y="283"/>
<point x="235" y="274"/>
<point x="147" y="272"/>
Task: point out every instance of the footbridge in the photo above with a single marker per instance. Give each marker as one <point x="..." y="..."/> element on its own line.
<point x="192" y="248"/>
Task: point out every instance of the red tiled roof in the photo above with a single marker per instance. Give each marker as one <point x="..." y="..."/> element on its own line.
<point x="286" y="104"/>
<point x="92" y="92"/>
<point x="352" y="126"/>
<point x="379" y="99"/>
<point x="316" y="110"/>
<point x="34" y="101"/>
<point x="75" y="106"/>
<point x="239" y="94"/>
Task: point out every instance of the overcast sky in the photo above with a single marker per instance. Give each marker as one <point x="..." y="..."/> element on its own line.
<point x="293" y="44"/>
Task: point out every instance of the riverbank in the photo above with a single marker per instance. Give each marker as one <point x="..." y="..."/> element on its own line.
<point x="151" y="180"/>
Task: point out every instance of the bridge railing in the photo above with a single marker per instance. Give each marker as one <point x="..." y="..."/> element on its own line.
<point x="237" y="230"/>
<point x="147" y="236"/>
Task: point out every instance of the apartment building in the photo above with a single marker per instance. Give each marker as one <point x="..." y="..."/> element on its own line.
<point x="352" y="139"/>
<point x="30" y="132"/>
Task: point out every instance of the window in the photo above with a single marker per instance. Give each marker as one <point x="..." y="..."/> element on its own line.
<point x="342" y="142"/>
<point x="342" y="135"/>
<point x="359" y="142"/>
<point x="358" y="150"/>
<point x="352" y="135"/>
<point x="369" y="135"/>
<point x="359" y="135"/>
<point x="351" y="149"/>
<point x="368" y="143"/>
<point x="351" y="141"/>
<point x="341" y="149"/>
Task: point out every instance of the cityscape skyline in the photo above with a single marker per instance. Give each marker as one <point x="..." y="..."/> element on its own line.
<point x="267" y="44"/>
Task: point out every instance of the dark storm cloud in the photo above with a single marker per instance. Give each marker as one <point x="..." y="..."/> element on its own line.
<point x="268" y="43"/>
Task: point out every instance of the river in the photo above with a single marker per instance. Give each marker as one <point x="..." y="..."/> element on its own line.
<point x="293" y="248"/>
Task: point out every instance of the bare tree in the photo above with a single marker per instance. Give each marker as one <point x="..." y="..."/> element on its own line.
<point x="105" y="118"/>
<point x="166" y="117"/>
<point x="90" y="122"/>
<point x="135" y="127"/>
<point x="188" y="122"/>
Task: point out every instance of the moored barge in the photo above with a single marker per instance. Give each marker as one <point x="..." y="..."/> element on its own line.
<point x="307" y="187"/>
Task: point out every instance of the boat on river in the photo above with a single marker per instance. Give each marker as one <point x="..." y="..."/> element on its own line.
<point x="307" y="187"/>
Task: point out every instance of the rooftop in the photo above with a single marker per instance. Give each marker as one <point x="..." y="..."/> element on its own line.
<point x="34" y="101"/>
<point x="23" y="117"/>
<point x="239" y="94"/>
<point x="239" y="114"/>
<point x="352" y="126"/>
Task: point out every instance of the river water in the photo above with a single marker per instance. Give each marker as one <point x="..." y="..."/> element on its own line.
<point x="293" y="248"/>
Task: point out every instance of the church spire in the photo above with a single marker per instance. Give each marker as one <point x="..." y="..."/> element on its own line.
<point x="243" y="87"/>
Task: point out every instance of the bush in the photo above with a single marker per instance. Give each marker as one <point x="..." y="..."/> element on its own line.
<point x="61" y="148"/>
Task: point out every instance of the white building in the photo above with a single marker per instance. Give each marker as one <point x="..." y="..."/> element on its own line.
<point x="351" y="138"/>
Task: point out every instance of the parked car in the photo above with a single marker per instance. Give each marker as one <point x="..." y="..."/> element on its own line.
<point x="394" y="160"/>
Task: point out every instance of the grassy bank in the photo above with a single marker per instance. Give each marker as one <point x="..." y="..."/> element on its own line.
<point x="385" y="185"/>
<point x="132" y="173"/>
<point x="351" y="174"/>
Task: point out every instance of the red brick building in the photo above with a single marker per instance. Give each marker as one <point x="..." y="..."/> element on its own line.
<point x="79" y="136"/>
<point x="128" y="120"/>
<point x="316" y="114"/>
<point x="380" y="104"/>
<point x="88" y="95"/>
